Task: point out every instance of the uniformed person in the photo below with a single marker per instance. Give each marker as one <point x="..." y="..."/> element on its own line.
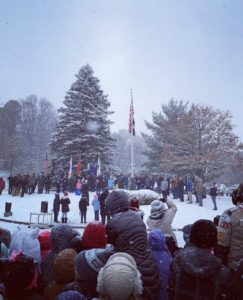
<point x="230" y="232"/>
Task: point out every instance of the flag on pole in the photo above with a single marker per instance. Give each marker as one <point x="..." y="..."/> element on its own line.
<point x="70" y="167"/>
<point x="131" y="124"/>
<point x="46" y="166"/>
<point x="95" y="168"/>
<point x="78" y="170"/>
<point x="98" y="167"/>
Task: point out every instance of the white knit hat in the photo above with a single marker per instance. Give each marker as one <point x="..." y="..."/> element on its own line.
<point x="157" y="205"/>
<point x="119" y="278"/>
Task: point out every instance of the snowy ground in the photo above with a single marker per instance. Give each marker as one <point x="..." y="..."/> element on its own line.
<point x="186" y="213"/>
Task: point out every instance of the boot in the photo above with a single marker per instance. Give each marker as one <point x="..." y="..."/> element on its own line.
<point x="63" y="220"/>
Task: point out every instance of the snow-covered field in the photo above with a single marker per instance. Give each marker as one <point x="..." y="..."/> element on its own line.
<point x="186" y="213"/>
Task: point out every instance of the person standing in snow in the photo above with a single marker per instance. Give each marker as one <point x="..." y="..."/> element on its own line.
<point x="213" y="194"/>
<point x="83" y="203"/>
<point x="56" y="206"/>
<point x="96" y="205"/>
<point x="65" y="201"/>
<point x="2" y="185"/>
<point x="164" y="187"/>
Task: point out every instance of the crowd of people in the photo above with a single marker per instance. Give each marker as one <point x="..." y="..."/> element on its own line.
<point x="119" y="258"/>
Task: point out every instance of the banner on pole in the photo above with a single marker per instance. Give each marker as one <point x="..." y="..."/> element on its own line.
<point x="70" y="167"/>
<point x="131" y="123"/>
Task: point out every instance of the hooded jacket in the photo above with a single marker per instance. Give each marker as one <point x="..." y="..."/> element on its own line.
<point x="127" y="232"/>
<point x="163" y="259"/>
<point x="196" y="274"/>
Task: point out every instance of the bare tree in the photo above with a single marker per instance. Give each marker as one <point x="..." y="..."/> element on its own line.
<point x="195" y="141"/>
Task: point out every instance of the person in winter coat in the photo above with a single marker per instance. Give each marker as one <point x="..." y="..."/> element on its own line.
<point x="65" y="201"/>
<point x="188" y="186"/>
<point x="63" y="273"/>
<point x="83" y="203"/>
<point x="87" y="267"/>
<point x="195" y="272"/>
<point x="96" y="204"/>
<point x="198" y="187"/>
<point x="230" y="232"/>
<point x="103" y="209"/>
<point x="163" y="259"/>
<point x="78" y="187"/>
<point x="56" y="206"/>
<point x="127" y="233"/>
<point x="164" y="187"/>
<point x="19" y="278"/>
<point x="62" y="237"/>
<point x="2" y="185"/>
<point x="213" y="194"/>
<point x="85" y="189"/>
<point x="162" y="218"/>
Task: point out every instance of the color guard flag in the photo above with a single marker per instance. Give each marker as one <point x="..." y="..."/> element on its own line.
<point x="98" y="167"/>
<point x="131" y="124"/>
<point x="70" y="167"/>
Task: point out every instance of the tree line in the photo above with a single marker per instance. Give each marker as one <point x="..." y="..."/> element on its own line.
<point x="183" y="138"/>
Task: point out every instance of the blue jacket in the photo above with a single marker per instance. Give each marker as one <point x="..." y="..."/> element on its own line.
<point x="96" y="203"/>
<point x="163" y="259"/>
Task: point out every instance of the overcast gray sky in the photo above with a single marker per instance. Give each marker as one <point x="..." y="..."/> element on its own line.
<point x="190" y="50"/>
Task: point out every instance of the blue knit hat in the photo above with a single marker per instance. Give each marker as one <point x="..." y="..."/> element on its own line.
<point x="70" y="295"/>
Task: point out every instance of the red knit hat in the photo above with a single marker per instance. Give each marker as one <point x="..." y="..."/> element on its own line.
<point x="94" y="236"/>
<point x="44" y="238"/>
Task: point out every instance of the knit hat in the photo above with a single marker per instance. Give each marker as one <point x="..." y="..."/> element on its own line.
<point x="89" y="262"/>
<point x="63" y="267"/>
<point x="120" y="278"/>
<point x="44" y="238"/>
<point x="204" y="234"/>
<point x="62" y="236"/>
<point x="20" y="273"/>
<point x="157" y="205"/>
<point x="117" y="201"/>
<point x="70" y="295"/>
<point x="26" y="242"/>
<point x="186" y="232"/>
<point x="94" y="236"/>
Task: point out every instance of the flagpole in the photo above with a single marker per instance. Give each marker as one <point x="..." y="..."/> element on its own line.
<point x="132" y="158"/>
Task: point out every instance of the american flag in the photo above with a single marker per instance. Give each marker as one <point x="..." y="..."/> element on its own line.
<point x="131" y="124"/>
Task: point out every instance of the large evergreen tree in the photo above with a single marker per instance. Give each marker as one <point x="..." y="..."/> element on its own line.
<point x="83" y="127"/>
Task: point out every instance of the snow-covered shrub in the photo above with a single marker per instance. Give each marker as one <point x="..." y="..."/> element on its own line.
<point x="145" y="196"/>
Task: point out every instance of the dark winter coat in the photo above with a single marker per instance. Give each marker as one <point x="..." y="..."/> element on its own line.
<point x="83" y="203"/>
<point x="196" y="274"/>
<point x="163" y="259"/>
<point x="65" y="201"/>
<point x="127" y="232"/>
<point x="103" y="208"/>
<point x="56" y="203"/>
